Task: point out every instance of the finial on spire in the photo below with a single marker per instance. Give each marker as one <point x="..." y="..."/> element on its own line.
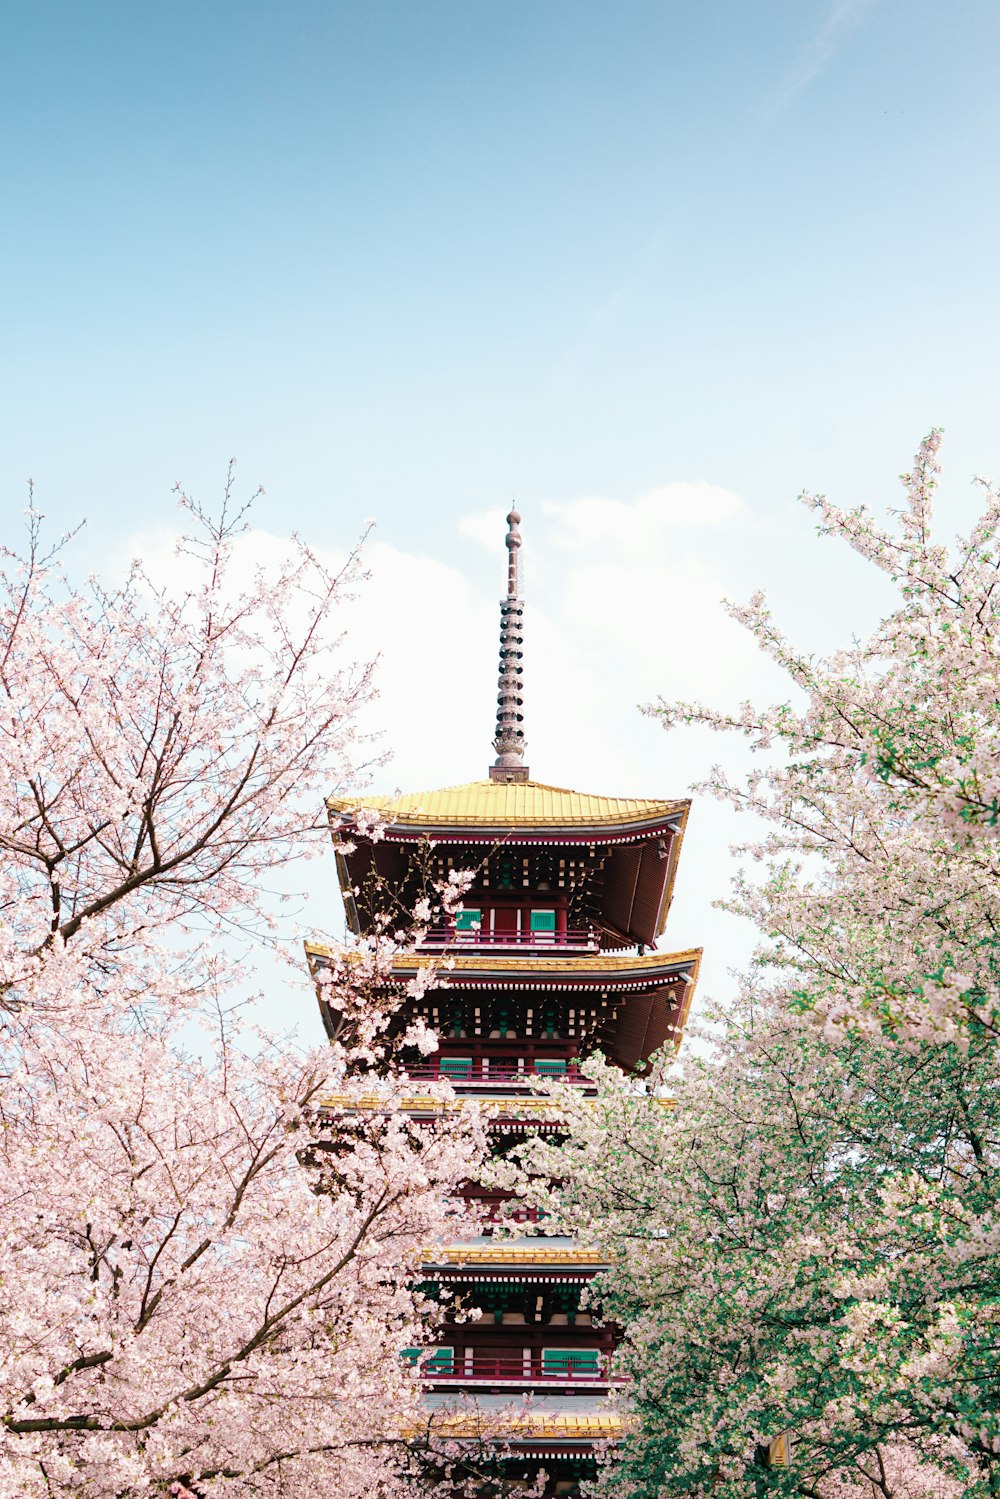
<point x="509" y="741"/>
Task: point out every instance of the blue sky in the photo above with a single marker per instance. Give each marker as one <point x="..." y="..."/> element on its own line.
<point x="408" y="259"/>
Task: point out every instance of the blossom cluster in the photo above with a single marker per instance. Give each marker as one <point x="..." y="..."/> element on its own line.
<point x="880" y="791"/>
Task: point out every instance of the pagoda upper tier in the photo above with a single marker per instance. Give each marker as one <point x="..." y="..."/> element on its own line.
<point x="607" y="863"/>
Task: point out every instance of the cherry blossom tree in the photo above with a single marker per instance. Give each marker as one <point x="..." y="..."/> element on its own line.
<point x="803" y="1243"/>
<point x="805" y="1233"/>
<point x="207" y="1253"/>
<point x="881" y="791"/>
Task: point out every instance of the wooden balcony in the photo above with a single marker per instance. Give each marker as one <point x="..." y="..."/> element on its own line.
<point x="484" y="1372"/>
<point x="482" y="1073"/>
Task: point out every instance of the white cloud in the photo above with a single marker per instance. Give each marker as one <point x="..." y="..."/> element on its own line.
<point x="435" y="643"/>
<point x="623" y="604"/>
<point x="625" y="524"/>
<point x="485" y="526"/>
<point x="607" y="628"/>
<point x="631" y="525"/>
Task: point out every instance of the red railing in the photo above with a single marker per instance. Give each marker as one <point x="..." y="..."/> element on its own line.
<point x="583" y="937"/>
<point x="514" y="1213"/>
<point x="516" y="1371"/>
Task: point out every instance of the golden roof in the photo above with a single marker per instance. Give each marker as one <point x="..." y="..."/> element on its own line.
<point x="541" y="1423"/>
<point x="514" y="1106"/>
<point x="527" y="1426"/>
<point x="509" y="804"/>
<point x="538" y="965"/>
<point x="513" y="1254"/>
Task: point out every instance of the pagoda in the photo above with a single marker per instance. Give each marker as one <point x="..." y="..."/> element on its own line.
<point x="551" y="957"/>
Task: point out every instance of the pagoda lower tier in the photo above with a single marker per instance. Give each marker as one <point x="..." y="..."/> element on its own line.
<point x="504" y="1021"/>
<point x="534" y="1341"/>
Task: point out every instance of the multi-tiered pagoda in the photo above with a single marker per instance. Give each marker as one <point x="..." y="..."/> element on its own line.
<point x="550" y="960"/>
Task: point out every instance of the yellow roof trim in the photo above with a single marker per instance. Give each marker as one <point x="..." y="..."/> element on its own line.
<point x="536" y="967"/>
<point x="511" y="1254"/>
<point x="533" y="966"/>
<point x="520" y="1106"/>
<point x="506" y="805"/>
<point x="528" y="1425"/>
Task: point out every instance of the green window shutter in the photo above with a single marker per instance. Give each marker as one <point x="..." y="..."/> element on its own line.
<point x="564" y="1360"/>
<point x="550" y="1066"/>
<point x="543" y="921"/>
<point x="468" y="921"/>
<point x="440" y="1358"/>
<point x="455" y="1066"/>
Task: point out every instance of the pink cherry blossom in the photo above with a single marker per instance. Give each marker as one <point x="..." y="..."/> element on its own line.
<point x="208" y="1257"/>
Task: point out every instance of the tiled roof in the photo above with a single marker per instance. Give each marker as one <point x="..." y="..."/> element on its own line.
<point x="530" y="1426"/>
<point x="538" y="965"/>
<point x="510" y="804"/>
<point x="510" y="1106"/>
<point x="513" y="1254"/>
<point x="545" y="1423"/>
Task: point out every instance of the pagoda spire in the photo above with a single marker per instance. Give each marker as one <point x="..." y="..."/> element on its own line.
<point x="509" y="741"/>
